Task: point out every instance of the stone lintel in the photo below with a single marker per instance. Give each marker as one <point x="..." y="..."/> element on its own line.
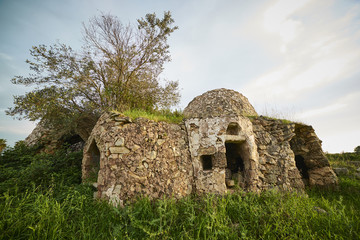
<point x="235" y="138"/>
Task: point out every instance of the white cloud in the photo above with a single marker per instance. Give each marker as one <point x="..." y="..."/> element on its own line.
<point x="336" y="122"/>
<point x="319" y="45"/>
<point x="6" y="56"/>
<point x="25" y="127"/>
<point x="321" y="111"/>
<point x="316" y="57"/>
<point x="344" y="141"/>
<point x="277" y="20"/>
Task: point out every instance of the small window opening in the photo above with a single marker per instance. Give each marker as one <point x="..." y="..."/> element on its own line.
<point x="206" y="161"/>
<point x="301" y="166"/>
<point x="233" y="129"/>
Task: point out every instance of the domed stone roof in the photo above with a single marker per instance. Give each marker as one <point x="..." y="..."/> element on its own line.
<point x="219" y="102"/>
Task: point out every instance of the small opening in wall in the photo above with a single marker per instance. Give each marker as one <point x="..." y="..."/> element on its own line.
<point x="301" y="166"/>
<point x="206" y="161"/>
<point x="233" y="129"/>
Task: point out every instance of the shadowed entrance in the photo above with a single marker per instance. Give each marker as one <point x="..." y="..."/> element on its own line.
<point x="235" y="157"/>
<point x="303" y="169"/>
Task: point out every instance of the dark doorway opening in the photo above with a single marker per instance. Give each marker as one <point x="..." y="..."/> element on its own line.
<point x="72" y="139"/>
<point x="74" y="143"/>
<point x="235" y="169"/>
<point x="301" y="166"/>
<point x="93" y="162"/>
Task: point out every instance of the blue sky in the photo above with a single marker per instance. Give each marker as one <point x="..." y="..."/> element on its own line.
<point x="293" y="59"/>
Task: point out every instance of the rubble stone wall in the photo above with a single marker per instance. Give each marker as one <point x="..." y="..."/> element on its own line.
<point x="307" y="145"/>
<point x="221" y="145"/>
<point x="140" y="157"/>
<point x="207" y="137"/>
<point x="276" y="158"/>
<point x="219" y="103"/>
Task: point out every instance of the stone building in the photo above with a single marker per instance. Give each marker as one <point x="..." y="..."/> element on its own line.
<point x="222" y="144"/>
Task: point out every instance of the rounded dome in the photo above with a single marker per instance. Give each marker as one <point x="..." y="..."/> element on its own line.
<point x="219" y="102"/>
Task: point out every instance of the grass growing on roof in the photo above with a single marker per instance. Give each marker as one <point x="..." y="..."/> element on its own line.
<point x="285" y="121"/>
<point x="160" y="115"/>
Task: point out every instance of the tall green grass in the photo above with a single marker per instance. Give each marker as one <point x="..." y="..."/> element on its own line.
<point x="53" y="208"/>
<point x="270" y="215"/>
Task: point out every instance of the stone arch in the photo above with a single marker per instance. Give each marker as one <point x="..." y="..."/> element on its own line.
<point x="237" y="163"/>
<point x="91" y="164"/>
<point x="72" y="139"/>
<point x="233" y="129"/>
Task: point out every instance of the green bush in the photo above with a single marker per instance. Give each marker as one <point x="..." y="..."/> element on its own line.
<point x="345" y="157"/>
<point x="22" y="166"/>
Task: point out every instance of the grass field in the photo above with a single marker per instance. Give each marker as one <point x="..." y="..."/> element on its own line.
<point x="42" y="198"/>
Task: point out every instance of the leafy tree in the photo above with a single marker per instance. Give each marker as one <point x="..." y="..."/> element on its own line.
<point x="118" y="68"/>
<point x="357" y="149"/>
<point x="2" y="144"/>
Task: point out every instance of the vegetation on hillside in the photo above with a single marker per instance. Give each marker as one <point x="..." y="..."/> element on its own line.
<point x="119" y="68"/>
<point x="42" y="198"/>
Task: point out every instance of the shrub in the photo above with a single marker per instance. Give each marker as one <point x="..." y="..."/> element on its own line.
<point x="21" y="166"/>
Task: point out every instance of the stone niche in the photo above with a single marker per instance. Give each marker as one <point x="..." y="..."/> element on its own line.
<point x="221" y="145"/>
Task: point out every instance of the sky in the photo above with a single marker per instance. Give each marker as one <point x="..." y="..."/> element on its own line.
<point x="293" y="59"/>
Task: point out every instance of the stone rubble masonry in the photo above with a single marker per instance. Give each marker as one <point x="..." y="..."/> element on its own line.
<point x="215" y="148"/>
<point x="219" y="102"/>
<point x="276" y="159"/>
<point x="308" y="145"/>
<point x="207" y="137"/>
<point x="142" y="157"/>
<point x="45" y="137"/>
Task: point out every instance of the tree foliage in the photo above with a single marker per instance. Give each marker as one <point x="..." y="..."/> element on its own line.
<point x="357" y="149"/>
<point x="2" y="144"/>
<point x="118" y="68"/>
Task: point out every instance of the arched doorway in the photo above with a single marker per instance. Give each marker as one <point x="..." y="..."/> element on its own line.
<point x="92" y="164"/>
